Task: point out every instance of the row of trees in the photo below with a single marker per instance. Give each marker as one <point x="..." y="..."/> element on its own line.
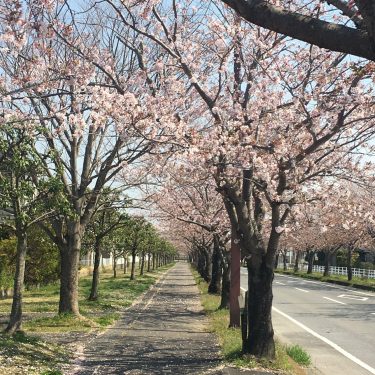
<point x="31" y="199"/>
<point x="244" y="129"/>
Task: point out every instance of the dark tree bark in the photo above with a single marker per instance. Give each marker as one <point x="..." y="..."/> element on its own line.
<point x="114" y="266"/>
<point x="310" y="260"/>
<point x="327" y="263"/>
<point x="153" y="261"/>
<point x="260" y="341"/>
<point x="284" y="261"/>
<point x="296" y="261"/>
<point x="235" y="282"/>
<point x="349" y="265"/>
<point x="95" y="274"/>
<point x="225" y="286"/>
<point x="149" y="262"/>
<point x="70" y="254"/>
<point x="215" y="283"/>
<point x="142" y="263"/>
<point x="277" y="260"/>
<point x="329" y="35"/>
<point x="201" y="265"/>
<point x="132" y="273"/>
<point x="208" y="266"/>
<point x="15" y="320"/>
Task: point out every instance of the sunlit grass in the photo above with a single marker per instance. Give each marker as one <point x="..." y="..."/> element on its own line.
<point x="23" y="354"/>
<point x="115" y="294"/>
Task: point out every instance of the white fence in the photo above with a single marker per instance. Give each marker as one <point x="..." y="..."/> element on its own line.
<point x="357" y="272"/>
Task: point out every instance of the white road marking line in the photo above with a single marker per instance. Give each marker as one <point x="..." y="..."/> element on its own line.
<point x="279" y="282"/>
<point x="333" y="300"/>
<point x="372" y="313"/>
<point x="302" y="290"/>
<point x="352" y="296"/>
<point x="328" y="342"/>
<point x="331" y="286"/>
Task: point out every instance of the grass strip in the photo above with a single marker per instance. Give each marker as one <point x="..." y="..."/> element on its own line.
<point x="26" y="353"/>
<point x="356" y="282"/>
<point x="230" y="338"/>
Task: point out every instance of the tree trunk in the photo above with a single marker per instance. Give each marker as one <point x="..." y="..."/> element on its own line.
<point x="277" y="260"/>
<point x="125" y="264"/>
<point x="132" y="273"/>
<point x="259" y="340"/>
<point x="70" y="254"/>
<point x="215" y="283"/>
<point x="114" y="266"/>
<point x="327" y="263"/>
<point x="15" y="320"/>
<point x="296" y="261"/>
<point x="142" y="264"/>
<point x="225" y="286"/>
<point x="148" y="262"/>
<point x="310" y="261"/>
<point x="349" y="263"/>
<point x="153" y="261"/>
<point x="235" y="282"/>
<point x="95" y="274"/>
<point x="284" y="261"/>
<point x="208" y="266"/>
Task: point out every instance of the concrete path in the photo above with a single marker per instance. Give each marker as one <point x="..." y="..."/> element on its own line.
<point x="164" y="334"/>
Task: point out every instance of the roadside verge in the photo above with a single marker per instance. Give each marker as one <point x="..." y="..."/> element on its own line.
<point x="231" y="343"/>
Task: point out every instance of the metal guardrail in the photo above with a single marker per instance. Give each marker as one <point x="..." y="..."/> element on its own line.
<point x="357" y="272"/>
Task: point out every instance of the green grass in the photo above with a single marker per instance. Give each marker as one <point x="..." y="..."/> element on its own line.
<point x="357" y="281"/>
<point x="115" y="294"/>
<point x="23" y="354"/>
<point x="230" y="338"/>
<point x="299" y="355"/>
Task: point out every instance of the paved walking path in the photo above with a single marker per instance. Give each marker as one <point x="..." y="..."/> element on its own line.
<point x="164" y="334"/>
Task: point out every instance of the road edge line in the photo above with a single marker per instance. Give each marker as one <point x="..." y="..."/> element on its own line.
<point x="328" y="342"/>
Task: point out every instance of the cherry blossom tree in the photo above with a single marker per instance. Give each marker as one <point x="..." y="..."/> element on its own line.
<point x="95" y="109"/>
<point x="350" y="29"/>
<point x="279" y="123"/>
<point x="189" y="195"/>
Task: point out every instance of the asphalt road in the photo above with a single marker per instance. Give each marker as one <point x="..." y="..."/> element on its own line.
<point x="336" y="325"/>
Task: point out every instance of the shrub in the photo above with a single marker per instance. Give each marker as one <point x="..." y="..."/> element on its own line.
<point x="299" y="355"/>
